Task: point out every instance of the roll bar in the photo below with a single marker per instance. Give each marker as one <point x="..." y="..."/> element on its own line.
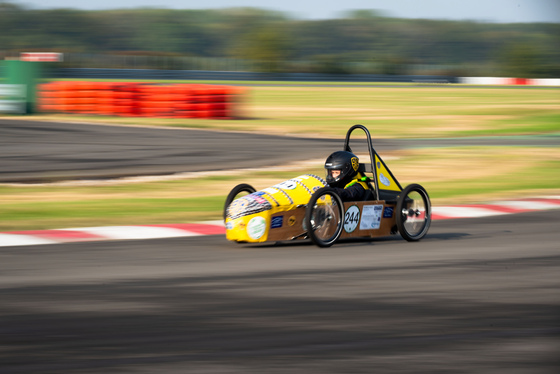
<point x="372" y="153"/>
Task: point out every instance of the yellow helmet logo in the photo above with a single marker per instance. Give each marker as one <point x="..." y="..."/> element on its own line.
<point x="355" y="163"/>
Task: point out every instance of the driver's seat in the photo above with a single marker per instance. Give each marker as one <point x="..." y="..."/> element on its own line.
<point x="362" y="169"/>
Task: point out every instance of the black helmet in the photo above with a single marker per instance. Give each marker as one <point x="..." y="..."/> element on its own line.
<point x="347" y="163"/>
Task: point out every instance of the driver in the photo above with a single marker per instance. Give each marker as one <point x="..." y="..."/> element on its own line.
<point x="344" y="178"/>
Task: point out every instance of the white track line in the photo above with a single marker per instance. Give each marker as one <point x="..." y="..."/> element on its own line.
<point x="134" y="232"/>
<point x="528" y="205"/>
<point x="17" y="239"/>
<point x="464" y="212"/>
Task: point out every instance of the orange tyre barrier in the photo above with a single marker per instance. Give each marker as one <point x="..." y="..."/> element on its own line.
<point x="138" y="99"/>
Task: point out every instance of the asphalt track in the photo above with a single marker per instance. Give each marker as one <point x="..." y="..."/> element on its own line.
<point x="474" y="296"/>
<point x="46" y="151"/>
<point x="36" y="151"/>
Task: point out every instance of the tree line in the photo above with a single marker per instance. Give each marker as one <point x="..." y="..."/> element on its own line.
<point x="360" y="42"/>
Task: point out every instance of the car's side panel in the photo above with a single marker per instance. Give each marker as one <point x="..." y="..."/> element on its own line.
<point x="368" y="219"/>
<point x="287" y="225"/>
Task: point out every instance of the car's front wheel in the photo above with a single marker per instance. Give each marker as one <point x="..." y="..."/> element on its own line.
<point x="323" y="217"/>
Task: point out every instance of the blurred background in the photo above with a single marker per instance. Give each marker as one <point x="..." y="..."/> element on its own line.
<point x="500" y="39"/>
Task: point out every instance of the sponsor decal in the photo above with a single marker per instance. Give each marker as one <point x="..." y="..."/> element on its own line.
<point x="292" y="220"/>
<point x="270" y="190"/>
<point x="351" y="219"/>
<point x="256" y="228"/>
<point x="287" y="185"/>
<point x="260" y="200"/>
<point x="229" y="225"/>
<point x="276" y="222"/>
<point x="371" y="217"/>
<point x="388" y="212"/>
<point x="355" y="163"/>
<point x="237" y="207"/>
<point x="384" y="180"/>
<point x="378" y="165"/>
<point x="247" y="205"/>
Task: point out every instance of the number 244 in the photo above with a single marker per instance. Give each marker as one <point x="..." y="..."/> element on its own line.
<point x="350" y="217"/>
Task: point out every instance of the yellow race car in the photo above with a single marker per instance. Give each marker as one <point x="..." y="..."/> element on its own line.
<point x="306" y="207"/>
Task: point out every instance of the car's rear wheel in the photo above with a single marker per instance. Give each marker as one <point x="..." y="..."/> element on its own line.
<point x="237" y="191"/>
<point x="414" y="212"/>
<point x="323" y="217"/>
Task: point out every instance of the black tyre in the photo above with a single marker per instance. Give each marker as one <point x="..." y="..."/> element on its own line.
<point x="240" y="189"/>
<point x="324" y="217"/>
<point x="414" y="212"/>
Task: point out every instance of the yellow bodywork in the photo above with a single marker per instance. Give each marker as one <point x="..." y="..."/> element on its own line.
<point x="384" y="179"/>
<point x="250" y="218"/>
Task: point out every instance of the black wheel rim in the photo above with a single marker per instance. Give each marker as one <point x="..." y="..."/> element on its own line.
<point x="324" y="218"/>
<point x="414" y="211"/>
